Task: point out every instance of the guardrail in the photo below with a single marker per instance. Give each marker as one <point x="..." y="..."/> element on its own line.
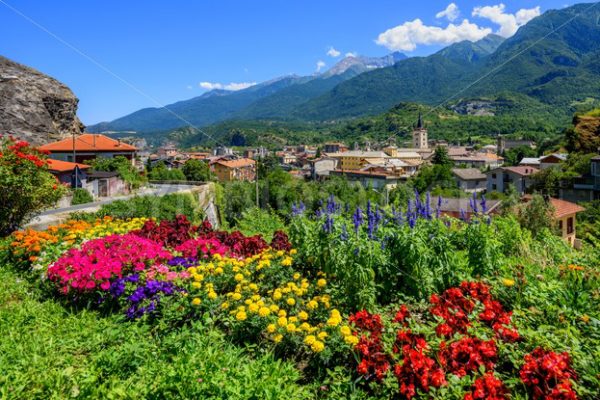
<point x="174" y="182"/>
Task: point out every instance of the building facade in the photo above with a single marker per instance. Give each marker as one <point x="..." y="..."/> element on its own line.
<point x="87" y="147"/>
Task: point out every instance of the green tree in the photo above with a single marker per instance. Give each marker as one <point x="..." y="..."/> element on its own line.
<point x="160" y="172"/>
<point x="536" y="214"/>
<point x="27" y="186"/>
<point x="123" y="166"/>
<point x="440" y="156"/>
<point x="196" y="170"/>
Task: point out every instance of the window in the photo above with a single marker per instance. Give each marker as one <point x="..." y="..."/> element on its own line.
<point x="570" y="225"/>
<point x="493" y="176"/>
<point x="560" y="226"/>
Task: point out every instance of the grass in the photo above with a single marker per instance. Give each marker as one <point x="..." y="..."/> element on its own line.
<point x="50" y="352"/>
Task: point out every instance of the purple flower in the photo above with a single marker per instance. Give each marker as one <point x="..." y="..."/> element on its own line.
<point x="357" y="219"/>
<point x="483" y="204"/>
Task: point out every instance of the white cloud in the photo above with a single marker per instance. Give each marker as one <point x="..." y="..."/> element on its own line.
<point x="320" y="65"/>
<point x="239" y="85"/>
<point x="408" y="36"/>
<point x="230" y="86"/>
<point x="333" y="52"/>
<point x="509" y="23"/>
<point x="210" y="85"/>
<point x="351" y="54"/>
<point x="451" y="12"/>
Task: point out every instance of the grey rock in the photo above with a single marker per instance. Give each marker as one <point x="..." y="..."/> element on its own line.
<point x="34" y="106"/>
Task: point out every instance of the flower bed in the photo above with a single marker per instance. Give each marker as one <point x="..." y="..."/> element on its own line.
<point x="462" y="342"/>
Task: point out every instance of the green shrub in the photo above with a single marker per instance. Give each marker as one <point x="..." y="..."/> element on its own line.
<point x="81" y="196"/>
<point x="164" y="207"/>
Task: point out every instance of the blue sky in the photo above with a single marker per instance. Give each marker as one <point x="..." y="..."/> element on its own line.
<point x="166" y="49"/>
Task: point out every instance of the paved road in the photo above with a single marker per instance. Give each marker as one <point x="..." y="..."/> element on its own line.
<point x="154" y="190"/>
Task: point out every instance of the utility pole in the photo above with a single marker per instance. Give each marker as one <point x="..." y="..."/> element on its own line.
<point x="75" y="160"/>
<point x="256" y="182"/>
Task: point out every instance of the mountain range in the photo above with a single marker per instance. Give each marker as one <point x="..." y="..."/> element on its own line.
<point x="553" y="60"/>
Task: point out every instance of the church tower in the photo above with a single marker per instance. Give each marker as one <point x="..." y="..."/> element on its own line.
<point x="419" y="135"/>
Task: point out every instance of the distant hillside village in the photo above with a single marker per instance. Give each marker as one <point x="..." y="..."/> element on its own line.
<point x="81" y="163"/>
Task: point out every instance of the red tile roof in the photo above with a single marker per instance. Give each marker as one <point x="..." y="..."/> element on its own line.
<point x="522" y="170"/>
<point x="242" y="162"/>
<point x="63" y="166"/>
<point x="563" y="208"/>
<point x="88" y="142"/>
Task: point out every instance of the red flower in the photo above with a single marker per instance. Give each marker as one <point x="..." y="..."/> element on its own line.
<point x="402" y="315"/>
<point x="548" y="374"/>
<point x="467" y="355"/>
<point x="488" y="387"/>
<point x="418" y="371"/>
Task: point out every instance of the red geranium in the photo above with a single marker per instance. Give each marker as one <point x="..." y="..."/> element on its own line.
<point x="488" y="387"/>
<point x="548" y="375"/>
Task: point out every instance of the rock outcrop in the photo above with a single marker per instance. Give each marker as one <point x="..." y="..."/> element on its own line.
<point x="34" y="106"/>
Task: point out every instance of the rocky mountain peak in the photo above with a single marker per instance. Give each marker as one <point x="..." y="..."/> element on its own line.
<point x="34" y="106"/>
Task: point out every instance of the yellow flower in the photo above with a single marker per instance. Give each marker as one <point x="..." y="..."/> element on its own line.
<point x="290" y="301"/>
<point x="286" y="262"/>
<point x="279" y="253"/>
<point x="322" y="335"/>
<point x="192" y="270"/>
<point x="241" y="316"/>
<point x="196" y="301"/>
<point x="508" y="282"/>
<point x="218" y="271"/>
<point x="282" y="321"/>
<point x="585" y="318"/>
<point x="212" y="295"/>
<point x="253" y="307"/>
<point x="309" y="340"/>
<point x="225" y="305"/>
<point x="293" y="251"/>
<point x="293" y="319"/>
<point x="264" y="311"/>
<point x="271" y="328"/>
<point x="281" y="313"/>
<point x="274" y="307"/>
<point x="345" y="330"/>
<point x="305" y="326"/>
<point x="297" y="276"/>
<point x="277" y="295"/>
<point x="350" y="339"/>
<point x="321" y="282"/>
<point x="317" y="346"/>
<point x="333" y="321"/>
<point x="198" y="277"/>
<point x="253" y="287"/>
<point x="312" y="305"/>
<point x="303" y="315"/>
<point x="237" y="296"/>
<point x="255" y="297"/>
<point x="278" y="338"/>
<point x="291" y="328"/>
<point x="196" y="285"/>
<point x="238" y="277"/>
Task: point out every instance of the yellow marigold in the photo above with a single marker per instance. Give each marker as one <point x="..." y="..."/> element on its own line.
<point x="345" y="330"/>
<point x="309" y="340"/>
<point x="508" y="282"/>
<point x="196" y="301"/>
<point x="279" y="253"/>
<point x="196" y="285"/>
<point x="198" y="277"/>
<point x="237" y="296"/>
<point x="282" y="321"/>
<point x="192" y="270"/>
<point x="334" y="321"/>
<point x="274" y="307"/>
<point x="305" y="326"/>
<point x="351" y="340"/>
<point x="286" y="262"/>
<point x="312" y="305"/>
<point x="264" y="311"/>
<point x="293" y="251"/>
<point x="297" y="276"/>
<point x="271" y="328"/>
<point x="278" y="338"/>
<point x="321" y="282"/>
<point x="225" y="305"/>
<point x="255" y="297"/>
<point x="290" y="301"/>
<point x="317" y="346"/>
<point x="218" y="271"/>
<point x="239" y="277"/>
<point x="276" y="295"/>
<point x="241" y="316"/>
<point x="282" y="313"/>
<point x="322" y="335"/>
<point x="291" y="328"/>
<point x="212" y="295"/>
<point x="293" y="319"/>
<point x="253" y="307"/>
<point x="303" y="315"/>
